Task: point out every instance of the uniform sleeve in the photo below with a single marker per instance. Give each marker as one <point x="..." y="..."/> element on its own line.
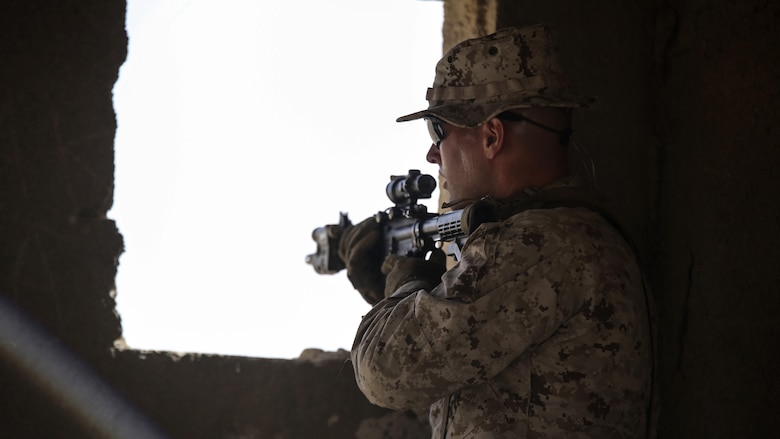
<point x="498" y="301"/>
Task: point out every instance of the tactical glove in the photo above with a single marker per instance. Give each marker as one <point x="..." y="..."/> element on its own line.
<point x="360" y="248"/>
<point x="402" y="269"/>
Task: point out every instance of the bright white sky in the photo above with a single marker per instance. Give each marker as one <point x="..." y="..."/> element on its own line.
<point x="242" y="126"/>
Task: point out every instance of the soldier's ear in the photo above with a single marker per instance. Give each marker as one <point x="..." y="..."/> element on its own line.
<point x="493" y="135"/>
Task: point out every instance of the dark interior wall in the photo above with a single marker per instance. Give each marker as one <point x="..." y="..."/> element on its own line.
<point x="58" y="251"/>
<point x="59" y="65"/>
<point x="685" y="145"/>
<point x="685" y="142"/>
<point x="719" y="229"/>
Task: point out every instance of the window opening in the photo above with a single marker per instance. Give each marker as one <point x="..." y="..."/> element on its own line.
<point x="242" y="126"/>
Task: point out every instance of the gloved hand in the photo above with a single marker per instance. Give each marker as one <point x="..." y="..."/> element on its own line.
<point x="360" y="248"/>
<point x="403" y="269"/>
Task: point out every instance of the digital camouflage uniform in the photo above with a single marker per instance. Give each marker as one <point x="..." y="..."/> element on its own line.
<point x="540" y="330"/>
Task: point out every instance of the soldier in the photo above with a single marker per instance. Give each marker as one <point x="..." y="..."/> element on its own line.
<point x="543" y="328"/>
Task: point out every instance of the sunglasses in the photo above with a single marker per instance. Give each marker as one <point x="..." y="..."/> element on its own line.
<point x="436" y="130"/>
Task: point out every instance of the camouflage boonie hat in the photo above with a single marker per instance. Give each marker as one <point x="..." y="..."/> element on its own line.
<point x="513" y="68"/>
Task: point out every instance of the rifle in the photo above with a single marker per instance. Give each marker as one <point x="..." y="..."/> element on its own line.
<point x="408" y="228"/>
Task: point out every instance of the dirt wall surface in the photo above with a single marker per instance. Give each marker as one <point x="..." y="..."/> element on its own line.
<point x="685" y="144"/>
